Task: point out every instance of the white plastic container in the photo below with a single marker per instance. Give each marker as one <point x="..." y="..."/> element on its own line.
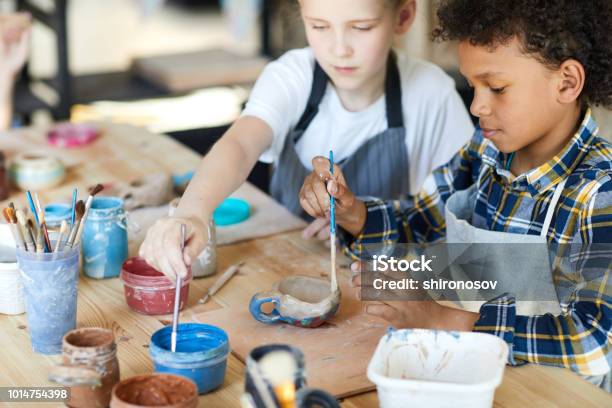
<point x="434" y="368"/>
<point x="11" y="287"/>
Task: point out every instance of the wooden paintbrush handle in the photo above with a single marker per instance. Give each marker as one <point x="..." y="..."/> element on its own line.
<point x="73" y="232"/>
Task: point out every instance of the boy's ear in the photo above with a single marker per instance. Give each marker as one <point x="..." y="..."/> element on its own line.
<point x="571" y="81"/>
<point x="406" y="15"/>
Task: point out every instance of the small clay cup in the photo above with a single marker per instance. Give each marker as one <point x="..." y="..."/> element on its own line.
<point x="155" y="390"/>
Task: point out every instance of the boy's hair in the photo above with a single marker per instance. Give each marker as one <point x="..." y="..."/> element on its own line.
<point x="550" y="30"/>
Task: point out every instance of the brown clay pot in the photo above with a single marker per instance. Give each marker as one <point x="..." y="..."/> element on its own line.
<point x="94" y="348"/>
<point x="155" y="390"/>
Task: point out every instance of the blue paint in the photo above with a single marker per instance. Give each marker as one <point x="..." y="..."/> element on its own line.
<point x="201" y="354"/>
<point x="57" y="212"/>
<point x="50" y="282"/>
<point x="104" y="240"/>
<point x="231" y="211"/>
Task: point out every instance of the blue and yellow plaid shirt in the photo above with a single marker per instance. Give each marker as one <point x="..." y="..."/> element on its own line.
<point x="581" y="337"/>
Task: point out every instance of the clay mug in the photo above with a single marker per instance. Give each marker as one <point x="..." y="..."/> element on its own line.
<point x="302" y="301"/>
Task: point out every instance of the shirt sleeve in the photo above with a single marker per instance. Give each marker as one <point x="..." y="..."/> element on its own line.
<point x="579" y="338"/>
<point x="280" y="95"/>
<point x="420" y="218"/>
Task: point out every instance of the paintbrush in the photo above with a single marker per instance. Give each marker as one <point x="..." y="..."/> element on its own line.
<point x="14" y="221"/>
<point x="80" y="212"/>
<point x="32" y="207"/>
<point x="9" y="216"/>
<point x="332" y="229"/>
<point x="73" y="212"/>
<point x="40" y="241"/>
<point x="226" y="276"/>
<point x="34" y="231"/>
<point x="92" y="193"/>
<point x="62" y="231"/>
<point x="27" y="233"/>
<point x="43" y="225"/>
<point x="177" y="296"/>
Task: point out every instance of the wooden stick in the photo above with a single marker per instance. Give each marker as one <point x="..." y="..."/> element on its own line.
<point x="94" y="191"/>
<point x="221" y="280"/>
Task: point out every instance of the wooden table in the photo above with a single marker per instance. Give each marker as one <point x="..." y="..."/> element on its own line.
<point x="125" y="153"/>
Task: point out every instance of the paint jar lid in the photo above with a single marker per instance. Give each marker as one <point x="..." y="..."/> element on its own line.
<point x="231" y="211"/>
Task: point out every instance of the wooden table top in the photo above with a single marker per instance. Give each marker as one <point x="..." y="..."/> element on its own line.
<point x="126" y="153"/>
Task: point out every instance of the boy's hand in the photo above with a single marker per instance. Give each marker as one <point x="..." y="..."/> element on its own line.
<point x="423" y="314"/>
<point x="314" y="197"/>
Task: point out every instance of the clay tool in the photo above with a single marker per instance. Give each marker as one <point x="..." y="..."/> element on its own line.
<point x="80" y="212"/>
<point x="27" y="232"/>
<point x="60" y="236"/>
<point x="177" y="296"/>
<point x="221" y="280"/>
<point x="9" y="216"/>
<point x="73" y="213"/>
<point x="92" y="193"/>
<point x="332" y="229"/>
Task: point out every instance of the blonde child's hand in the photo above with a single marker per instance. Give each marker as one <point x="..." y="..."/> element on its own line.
<point x="162" y="246"/>
<point x="319" y="185"/>
<point x="318" y="228"/>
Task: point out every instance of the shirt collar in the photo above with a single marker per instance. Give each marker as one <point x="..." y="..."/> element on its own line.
<point x="556" y="169"/>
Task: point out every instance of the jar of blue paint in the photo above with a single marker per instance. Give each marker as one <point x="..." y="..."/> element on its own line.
<point x="201" y="354"/>
<point x="56" y="213"/>
<point x="104" y="240"/>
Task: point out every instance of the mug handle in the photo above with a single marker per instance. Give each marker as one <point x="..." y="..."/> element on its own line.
<point x="255" y="308"/>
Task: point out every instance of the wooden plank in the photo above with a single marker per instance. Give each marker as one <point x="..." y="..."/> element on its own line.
<point x="199" y="69"/>
<point x="126" y="153"/>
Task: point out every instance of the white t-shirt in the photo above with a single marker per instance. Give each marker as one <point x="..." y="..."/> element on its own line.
<point x="436" y="121"/>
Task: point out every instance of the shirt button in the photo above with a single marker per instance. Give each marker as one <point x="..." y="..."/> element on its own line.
<point x="537" y="185"/>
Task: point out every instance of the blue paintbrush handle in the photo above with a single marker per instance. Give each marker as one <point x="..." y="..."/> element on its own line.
<point x="332" y="201"/>
<point x="32" y="206"/>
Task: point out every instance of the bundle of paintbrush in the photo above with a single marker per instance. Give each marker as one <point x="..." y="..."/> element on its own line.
<point x="34" y="236"/>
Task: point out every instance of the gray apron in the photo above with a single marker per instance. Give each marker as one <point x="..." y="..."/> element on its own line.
<point x="532" y="279"/>
<point x="378" y="168"/>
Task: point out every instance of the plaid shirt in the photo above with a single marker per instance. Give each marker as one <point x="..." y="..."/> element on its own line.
<point x="581" y="337"/>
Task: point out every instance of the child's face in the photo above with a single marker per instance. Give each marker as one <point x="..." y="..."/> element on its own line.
<point x="351" y="39"/>
<point x="515" y="96"/>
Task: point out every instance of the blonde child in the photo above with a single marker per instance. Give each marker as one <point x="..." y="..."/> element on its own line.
<point x="348" y="92"/>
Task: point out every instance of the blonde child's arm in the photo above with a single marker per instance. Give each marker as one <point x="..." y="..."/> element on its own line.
<point x="220" y="173"/>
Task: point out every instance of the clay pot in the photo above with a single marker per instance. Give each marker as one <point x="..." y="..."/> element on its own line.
<point x="94" y="348"/>
<point x="155" y="390"/>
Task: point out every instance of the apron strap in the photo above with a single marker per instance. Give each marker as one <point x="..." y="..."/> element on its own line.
<point x="551" y="207"/>
<point x="393" y="97"/>
<point x="393" y="94"/>
<point x="319" y="85"/>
